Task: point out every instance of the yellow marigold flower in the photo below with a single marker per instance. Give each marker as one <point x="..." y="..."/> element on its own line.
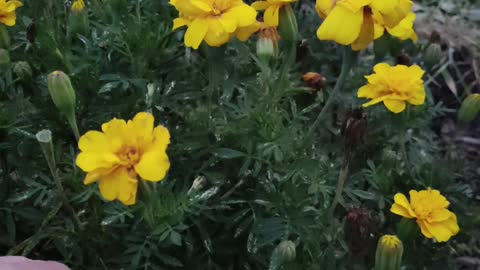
<point x="429" y="208"/>
<point x="123" y="151"/>
<point x="78" y="6"/>
<point x="214" y="21"/>
<point x="395" y="86"/>
<point x="403" y="31"/>
<point x="352" y="22"/>
<point x="7" y="11"/>
<point x="272" y="10"/>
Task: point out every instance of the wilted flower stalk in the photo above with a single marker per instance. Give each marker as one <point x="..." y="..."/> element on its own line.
<point x="44" y="138"/>
<point x="358" y="230"/>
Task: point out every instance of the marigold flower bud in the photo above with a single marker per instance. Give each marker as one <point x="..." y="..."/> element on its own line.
<point x="267" y="44"/>
<point x="287" y="250"/>
<point x="470" y="108"/>
<point x="314" y="80"/>
<point x="61" y="91"/>
<point x="287" y="26"/>
<point x="63" y="95"/>
<point x="4" y="38"/>
<point x="23" y="70"/>
<point x="4" y="57"/>
<point x="433" y="55"/>
<point x="389" y="253"/>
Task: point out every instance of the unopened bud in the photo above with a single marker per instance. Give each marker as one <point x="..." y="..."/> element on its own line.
<point x="267" y="44"/>
<point x="470" y="108"/>
<point x="63" y="95"/>
<point x="389" y="253"/>
<point x="314" y="80"/>
<point x="285" y="252"/>
<point x="78" y="6"/>
<point x="23" y="70"/>
<point x="433" y="55"/>
<point x="287" y="25"/>
<point x="265" y="48"/>
<point x="4" y="57"/>
<point x="61" y="91"/>
<point x="4" y="37"/>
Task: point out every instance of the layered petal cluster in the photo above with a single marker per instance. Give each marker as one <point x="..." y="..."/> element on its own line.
<point x="78" y="6"/>
<point x="272" y="10"/>
<point x="429" y="208"/>
<point x="359" y="22"/>
<point x="394" y="86"/>
<point x="214" y="21"/>
<point x="7" y="11"/>
<point x="122" y="152"/>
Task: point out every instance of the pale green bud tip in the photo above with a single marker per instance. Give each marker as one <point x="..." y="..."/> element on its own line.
<point x="44" y="136"/>
<point x="287" y="250"/>
<point x="389" y="253"/>
<point x="391" y="242"/>
<point x="265" y="48"/>
<point x="470" y="108"/>
<point x="61" y="91"/>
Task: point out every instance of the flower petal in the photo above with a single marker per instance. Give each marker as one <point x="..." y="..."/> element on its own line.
<point x="439" y="230"/>
<point x="118" y="185"/>
<point x="195" y="33"/>
<point x="402" y="206"/>
<point x="395" y="106"/>
<point x="366" y="34"/>
<point x="260" y="5"/>
<point x="424" y="228"/>
<point x="271" y="16"/>
<point x="243" y="14"/>
<point x="323" y="7"/>
<point x="341" y="25"/>
<point x="179" y="22"/>
<point x="89" y="161"/>
<point x="153" y="166"/>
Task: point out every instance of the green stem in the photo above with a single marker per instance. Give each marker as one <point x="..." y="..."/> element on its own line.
<point x="338" y="192"/>
<point x="47" y="149"/>
<point x="346" y="66"/>
<point x="73" y="124"/>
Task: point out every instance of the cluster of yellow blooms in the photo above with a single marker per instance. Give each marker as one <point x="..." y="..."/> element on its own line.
<point x="359" y="22"/>
<point x="125" y="151"/>
<point x="217" y="21"/>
